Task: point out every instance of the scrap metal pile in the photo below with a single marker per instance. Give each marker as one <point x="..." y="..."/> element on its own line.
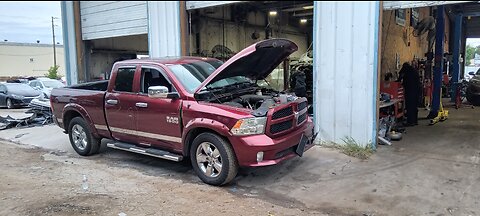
<point x="38" y="114"/>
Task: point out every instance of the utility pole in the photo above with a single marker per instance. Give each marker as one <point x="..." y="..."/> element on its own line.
<point x="53" y="36"/>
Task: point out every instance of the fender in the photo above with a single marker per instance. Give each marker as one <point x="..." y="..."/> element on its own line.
<point x="211" y="124"/>
<point x="83" y="113"/>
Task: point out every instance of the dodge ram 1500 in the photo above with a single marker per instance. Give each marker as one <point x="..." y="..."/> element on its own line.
<point x="215" y="113"/>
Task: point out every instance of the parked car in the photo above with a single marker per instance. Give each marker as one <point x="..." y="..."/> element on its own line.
<point x="16" y="94"/>
<point x="473" y="88"/>
<point x="202" y="108"/>
<point x="46" y="85"/>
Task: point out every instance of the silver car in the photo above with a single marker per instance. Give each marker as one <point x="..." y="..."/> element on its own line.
<point x="45" y="85"/>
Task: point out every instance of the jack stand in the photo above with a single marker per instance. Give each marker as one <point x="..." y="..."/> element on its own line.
<point x="442" y="114"/>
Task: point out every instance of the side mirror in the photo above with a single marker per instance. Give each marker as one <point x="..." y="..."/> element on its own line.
<point x="471" y="73"/>
<point x="3" y="91"/>
<point x="161" y="92"/>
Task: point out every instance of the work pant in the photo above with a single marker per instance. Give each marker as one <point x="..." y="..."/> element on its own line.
<point x="412" y="108"/>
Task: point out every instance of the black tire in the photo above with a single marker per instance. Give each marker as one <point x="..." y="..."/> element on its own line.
<point x="9" y="103"/>
<point x="228" y="159"/>
<point x="92" y="144"/>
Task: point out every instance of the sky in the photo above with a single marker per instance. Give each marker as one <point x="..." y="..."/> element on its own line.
<point x="473" y="42"/>
<point x="27" y="22"/>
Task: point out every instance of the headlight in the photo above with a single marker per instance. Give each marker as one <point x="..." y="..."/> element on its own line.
<point x="249" y="126"/>
<point x="17" y="96"/>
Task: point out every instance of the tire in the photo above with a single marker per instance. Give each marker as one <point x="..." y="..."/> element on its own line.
<point x="221" y="152"/>
<point x="10" y="104"/>
<point x="83" y="142"/>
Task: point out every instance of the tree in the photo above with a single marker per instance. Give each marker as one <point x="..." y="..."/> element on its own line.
<point x="470" y="53"/>
<point x="477" y="51"/>
<point x="53" y="72"/>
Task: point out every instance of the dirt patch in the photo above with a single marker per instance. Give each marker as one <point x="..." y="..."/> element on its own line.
<point x="37" y="182"/>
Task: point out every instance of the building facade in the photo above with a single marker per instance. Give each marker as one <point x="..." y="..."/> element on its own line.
<point x="29" y="59"/>
<point x="345" y="91"/>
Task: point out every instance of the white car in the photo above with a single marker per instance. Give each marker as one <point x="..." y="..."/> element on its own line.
<point x="45" y="85"/>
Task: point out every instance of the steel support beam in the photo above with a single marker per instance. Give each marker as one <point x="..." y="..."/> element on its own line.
<point x="438" y="70"/>
<point x="457" y="37"/>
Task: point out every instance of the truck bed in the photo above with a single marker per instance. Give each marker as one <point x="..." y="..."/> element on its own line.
<point x="97" y="85"/>
<point x="88" y="98"/>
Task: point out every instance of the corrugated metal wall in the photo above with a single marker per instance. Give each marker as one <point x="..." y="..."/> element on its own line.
<point x="164" y="28"/>
<point x="203" y="4"/>
<point x="68" y="32"/>
<point x="392" y="5"/>
<point x="105" y="19"/>
<point x="345" y="70"/>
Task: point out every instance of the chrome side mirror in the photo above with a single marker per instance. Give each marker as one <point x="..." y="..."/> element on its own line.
<point x="161" y="92"/>
<point x="157" y="92"/>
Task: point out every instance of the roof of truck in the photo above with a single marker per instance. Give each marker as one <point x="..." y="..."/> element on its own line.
<point x="170" y="60"/>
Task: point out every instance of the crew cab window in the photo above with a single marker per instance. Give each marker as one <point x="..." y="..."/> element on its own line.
<point x="124" y="80"/>
<point x="153" y="77"/>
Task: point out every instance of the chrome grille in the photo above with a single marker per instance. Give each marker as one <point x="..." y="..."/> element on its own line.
<point x="302" y="118"/>
<point x="302" y="105"/>
<point x="282" y="126"/>
<point x="283" y="113"/>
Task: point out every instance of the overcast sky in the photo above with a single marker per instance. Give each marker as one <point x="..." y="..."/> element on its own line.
<point x="30" y="21"/>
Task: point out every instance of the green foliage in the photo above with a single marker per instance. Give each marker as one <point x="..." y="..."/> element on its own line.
<point x="352" y="148"/>
<point x="53" y="72"/>
<point x="470" y="53"/>
<point x="477" y="50"/>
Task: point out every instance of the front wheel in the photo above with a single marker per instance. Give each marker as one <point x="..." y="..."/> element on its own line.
<point x="213" y="159"/>
<point x="81" y="139"/>
<point x="10" y="103"/>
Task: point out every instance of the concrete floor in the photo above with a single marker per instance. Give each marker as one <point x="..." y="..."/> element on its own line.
<point x="432" y="171"/>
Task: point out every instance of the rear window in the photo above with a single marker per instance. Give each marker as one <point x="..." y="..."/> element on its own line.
<point x="124" y="80"/>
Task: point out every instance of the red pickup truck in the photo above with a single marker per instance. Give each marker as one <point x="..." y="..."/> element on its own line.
<point x="217" y="114"/>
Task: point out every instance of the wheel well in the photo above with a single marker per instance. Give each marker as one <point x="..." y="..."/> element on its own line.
<point x="191" y="136"/>
<point x="68" y="116"/>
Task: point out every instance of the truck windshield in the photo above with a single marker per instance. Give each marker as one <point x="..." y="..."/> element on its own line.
<point x="191" y="75"/>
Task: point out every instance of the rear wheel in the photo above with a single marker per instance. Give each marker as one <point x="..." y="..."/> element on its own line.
<point x="81" y="139"/>
<point x="213" y="159"/>
<point x="10" y="103"/>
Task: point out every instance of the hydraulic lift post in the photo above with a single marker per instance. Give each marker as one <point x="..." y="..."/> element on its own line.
<point x="437" y="113"/>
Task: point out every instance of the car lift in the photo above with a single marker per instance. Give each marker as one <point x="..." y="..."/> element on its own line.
<point x="437" y="113"/>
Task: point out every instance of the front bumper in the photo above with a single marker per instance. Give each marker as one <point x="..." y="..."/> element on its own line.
<point x="21" y="102"/>
<point x="275" y="149"/>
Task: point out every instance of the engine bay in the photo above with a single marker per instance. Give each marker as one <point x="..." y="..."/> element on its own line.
<point x="249" y="96"/>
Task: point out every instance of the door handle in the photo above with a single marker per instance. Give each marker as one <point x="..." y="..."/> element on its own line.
<point x="112" y="102"/>
<point x="142" y="105"/>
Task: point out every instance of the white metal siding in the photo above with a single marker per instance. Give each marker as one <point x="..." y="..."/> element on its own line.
<point x="69" y="41"/>
<point x="345" y="71"/>
<point x="391" y="5"/>
<point x="106" y="19"/>
<point x="203" y="4"/>
<point x="164" y="28"/>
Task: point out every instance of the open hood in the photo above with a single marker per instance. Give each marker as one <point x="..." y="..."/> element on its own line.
<point x="255" y="62"/>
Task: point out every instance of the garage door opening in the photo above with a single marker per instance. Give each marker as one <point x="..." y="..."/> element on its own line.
<point x="432" y="42"/>
<point x="222" y="31"/>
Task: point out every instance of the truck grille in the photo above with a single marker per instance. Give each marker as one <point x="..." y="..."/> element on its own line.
<point x="301" y="118"/>
<point x="282" y="126"/>
<point x="283" y="113"/>
<point x="302" y="105"/>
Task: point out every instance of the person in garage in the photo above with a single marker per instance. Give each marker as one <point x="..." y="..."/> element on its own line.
<point x="411" y="83"/>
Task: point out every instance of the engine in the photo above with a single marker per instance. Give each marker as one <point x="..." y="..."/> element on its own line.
<point x="259" y="102"/>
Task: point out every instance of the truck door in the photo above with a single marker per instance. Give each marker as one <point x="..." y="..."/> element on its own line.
<point x="158" y="119"/>
<point x="120" y="109"/>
